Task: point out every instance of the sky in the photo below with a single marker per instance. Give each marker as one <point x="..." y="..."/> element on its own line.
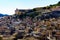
<point x="9" y="6"/>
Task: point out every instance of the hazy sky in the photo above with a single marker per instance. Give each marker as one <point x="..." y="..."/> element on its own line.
<point x="8" y="6"/>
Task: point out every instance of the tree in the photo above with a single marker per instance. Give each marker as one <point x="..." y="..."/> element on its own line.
<point x="59" y="2"/>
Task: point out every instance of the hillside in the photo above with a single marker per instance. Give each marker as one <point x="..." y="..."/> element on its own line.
<point x="2" y="15"/>
<point x="39" y="11"/>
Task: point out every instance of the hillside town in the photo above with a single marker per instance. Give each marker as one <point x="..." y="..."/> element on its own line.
<point x="22" y="26"/>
